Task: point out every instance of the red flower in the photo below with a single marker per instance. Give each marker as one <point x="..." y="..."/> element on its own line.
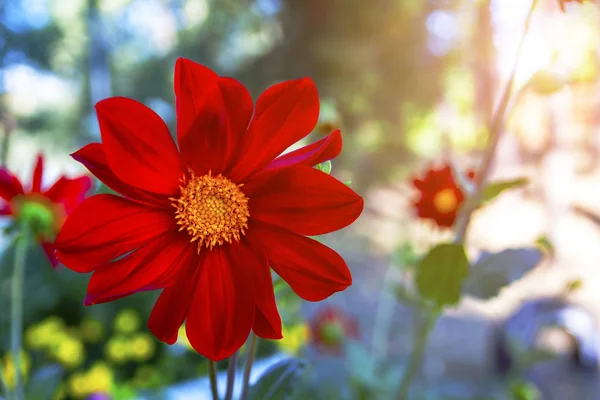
<point x="44" y="210"/>
<point x="330" y="327"/>
<point x="206" y="221"/>
<point x="439" y="197"/>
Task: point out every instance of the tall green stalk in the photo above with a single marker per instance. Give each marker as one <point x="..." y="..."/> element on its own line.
<point x="16" y="308"/>
<point x="212" y="375"/>
<point x="469" y="206"/>
<point x="231" y="369"/>
<point x="416" y="357"/>
<point x="248" y="368"/>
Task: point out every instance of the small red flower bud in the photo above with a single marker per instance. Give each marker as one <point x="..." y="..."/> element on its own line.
<point x="330" y="328"/>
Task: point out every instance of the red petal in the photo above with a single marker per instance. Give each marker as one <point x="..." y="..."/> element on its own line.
<point x="94" y="159"/>
<point x="104" y="227"/>
<point x="38" y="171"/>
<point x="311" y="155"/>
<point x="222" y="310"/>
<point x="213" y="114"/>
<point x="69" y="192"/>
<point x="10" y="186"/>
<point x="313" y="270"/>
<point x="154" y="266"/>
<point x="172" y="307"/>
<point x="48" y="249"/>
<point x="139" y="147"/>
<point x="265" y="328"/>
<point x="268" y="322"/>
<point x="194" y="85"/>
<point x="284" y="114"/>
<point x="306" y="201"/>
<point x="238" y="108"/>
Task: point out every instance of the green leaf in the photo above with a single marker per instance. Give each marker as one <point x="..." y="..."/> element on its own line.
<point x="123" y="392"/>
<point x="544" y="243"/>
<point x="522" y="390"/>
<point x="324" y="166"/>
<point x="406" y="297"/>
<point x="361" y="364"/>
<point x="348" y="182"/>
<point x="406" y="256"/>
<point x="279" y="285"/>
<point x="44" y="383"/>
<point x="493" y="189"/>
<point x="573" y="285"/>
<point x="440" y="274"/>
<point x="277" y="382"/>
<point x="493" y="271"/>
<point x="545" y="82"/>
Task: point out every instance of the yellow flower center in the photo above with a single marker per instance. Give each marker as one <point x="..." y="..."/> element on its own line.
<point x="445" y="201"/>
<point x="212" y="209"/>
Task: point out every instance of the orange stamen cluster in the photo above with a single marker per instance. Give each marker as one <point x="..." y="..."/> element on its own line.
<point x="212" y="209"/>
<point x="445" y="201"/>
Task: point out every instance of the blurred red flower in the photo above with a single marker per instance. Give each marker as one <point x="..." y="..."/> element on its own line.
<point x="44" y="210"/>
<point x="439" y="196"/>
<point x="330" y="327"/>
<point x="206" y="221"/>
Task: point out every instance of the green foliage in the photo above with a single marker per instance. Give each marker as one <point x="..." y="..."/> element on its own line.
<point x="370" y="378"/>
<point x="278" y="381"/>
<point x="545" y="82"/>
<point x="123" y="392"/>
<point x="405" y="256"/>
<point x="440" y="274"/>
<point x="522" y="390"/>
<point x="43" y="381"/>
<point x="544" y="243"/>
<point x="494" y="271"/>
<point x="405" y="296"/>
<point x="494" y="189"/>
<point x="324" y="166"/>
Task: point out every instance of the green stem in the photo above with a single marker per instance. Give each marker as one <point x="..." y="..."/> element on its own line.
<point x="231" y="376"/>
<point x="16" y="316"/>
<point x="212" y="375"/>
<point x="4" y="148"/>
<point x="495" y="130"/>
<point x="417" y="354"/>
<point x="248" y="368"/>
<point x="383" y="318"/>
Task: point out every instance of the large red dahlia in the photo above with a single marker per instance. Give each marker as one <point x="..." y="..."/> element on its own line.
<point x="206" y="222"/>
<point x="43" y="210"/>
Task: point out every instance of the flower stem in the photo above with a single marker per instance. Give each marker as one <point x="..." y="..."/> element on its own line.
<point x="495" y="129"/>
<point x="470" y="205"/>
<point x="418" y="352"/>
<point x="16" y="307"/>
<point x="5" y="142"/>
<point x="212" y="375"/>
<point x="383" y="318"/>
<point x="231" y="376"/>
<point x="248" y="368"/>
